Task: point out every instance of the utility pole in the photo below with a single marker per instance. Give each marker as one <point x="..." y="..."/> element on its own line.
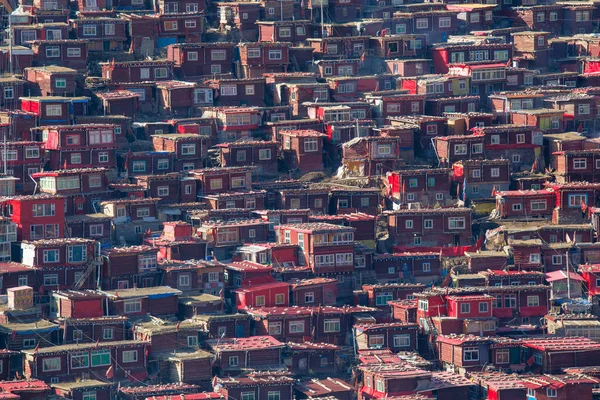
<point x="568" y="278"/>
<point x="322" y="21"/>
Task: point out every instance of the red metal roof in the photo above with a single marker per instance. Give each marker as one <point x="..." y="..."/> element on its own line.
<point x="564" y="344"/>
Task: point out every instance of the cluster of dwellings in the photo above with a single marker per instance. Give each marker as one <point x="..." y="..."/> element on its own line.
<point x="277" y="200"/>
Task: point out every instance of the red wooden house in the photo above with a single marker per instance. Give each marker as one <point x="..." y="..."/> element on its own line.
<point x="483" y="177"/>
<point x="367" y="156"/>
<point x="430" y="227"/>
<point x="303" y="149"/>
<point x="519" y="144"/>
<point x="467" y="352"/>
<point x="451" y="149"/>
<point x="260" y="154"/>
<point x="326" y="248"/>
<point x="443" y="55"/>
<point x="223" y="179"/>
<point x="101" y="34"/>
<point x="560" y="386"/>
<point x="224" y="237"/>
<point x="525" y="203"/>
<point x="426" y="186"/>
<point x="396" y="336"/>
<point x="550" y="355"/>
<point x="379" y="295"/>
<point x="423" y="267"/>
<point x="190" y="149"/>
<point x="263" y="57"/>
<point x="278" y="384"/>
<point x="314" y="291"/>
<point x="241" y="353"/>
<point x="80" y="146"/>
<point x="200" y="59"/>
<point x="156" y="300"/>
<point x="55" y="110"/>
<point x="61" y="263"/>
<point x="274" y="294"/>
<point x="465" y="307"/>
<point x="70" y="53"/>
<point x="51" y="81"/>
<point x="23" y="158"/>
<point x="242" y="274"/>
<point x="64" y="363"/>
<point x="38" y="216"/>
<point x="289" y="324"/>
<point x="137" y="71"/>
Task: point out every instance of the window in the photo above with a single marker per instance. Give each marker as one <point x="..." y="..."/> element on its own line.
<point x="264" y="154"/>
<point x="401" y="340"/>
<point x="89" y="30"/>
<point x="9" y="93"/>
<point x="51" y="364"/>
<point x="247" y="396"/>
<point x="310" y="145"/>
<point x="422" y="23"/>
<point x="445" y="22"/>
<point x="537" y="205"/>
<point x="252" y="53"/>
<point x="73" y="52"/>
<point x="95" y="181"/>
<point x="249" y="90"/>
<point x="540" y="17"/>
<point x="80" y="359"/>
<point x="75" y="158"/>
<point x="535" y="258"/>
<point x="275" y="54"/>
<point x="502" y="356"/>
<point x="553" y="16"/>
<point x="533" y="301"/>
<point x="160" y="73"/>
<point x="584" y="109"/>
<point x="285" y="32"/>
<point x="456" y="223"/>
<point x="233" y="362"/>
<point x="132" y="306"/>
<point x="274" y="328"/>
<point x="229" y="90"/>
<point x="477" y="148"/>
<point x="483" y="307"/>
<point x="192" y="55"/>
<point x="260" y="301"/>
<point x="51" y="256"/>
<point x="474" y="18"/>
<point x="470" y="354"/>
<point x="241" y="155"/>
<point x="551" y="392"/>
<point x="381" y="299"/>
<point x="331" y="325"/>
<point x="408" y="224"/>
<point x="53" y="110"/>
<point x="52" y="52"/>
<point x="426" y="267"/>
<point x="300" y="31"/>
<point x="77" y="253"/>
<point x="575" y="200"/>
<point x="130" y="356"/>
<point x="96" y="230"/>
<point x="273" y="395"/>
<point x="171" y="25"/>
<point x="376" y="341"/>
<point x="103" y="157"/>
<point x="22" y="280"/>
<point x="50" y="280"/>
<point x="188" y="149"/>
<point x="184" y="280"/>
<point x="190" y="23"/>
<point x="460" y="149"/>
<point x="88" y="396"/>
<point x="109" y="29"/>
<point x="279" y="298"/>
<point x="465" y="308"/>
<point x="27" y="36"/>
<point x="107" y="333"/>
<point x="516" y="158"/>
